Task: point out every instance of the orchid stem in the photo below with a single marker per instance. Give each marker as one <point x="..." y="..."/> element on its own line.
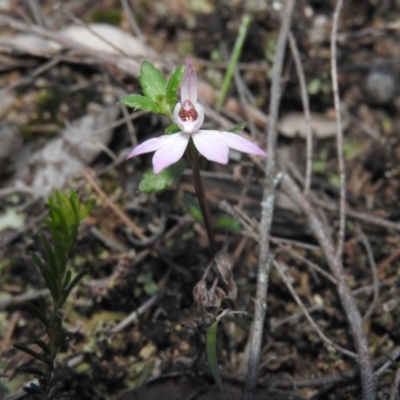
<point x="201" y="196"/>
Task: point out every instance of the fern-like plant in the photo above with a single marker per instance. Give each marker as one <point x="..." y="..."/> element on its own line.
<point x="65" y="215"/>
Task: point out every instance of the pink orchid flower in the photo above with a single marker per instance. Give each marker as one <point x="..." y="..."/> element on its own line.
<point x="189" y="116"/>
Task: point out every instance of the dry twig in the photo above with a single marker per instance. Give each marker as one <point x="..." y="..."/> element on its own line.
<point x="306" y="107"/>
<point x="22" y="298"/>
<point x="339" y="131"/>
<point x="360" y="216"/>
<point x="347" y="300"/>
<point x="322" y="336"/>
<point x="131" y="19"/>
<point x="132" y="226"/>
<point x="132" y="317"/>
<point x="267" y="206"/>
<point x="395" y="388"/>
<point x="374" y="269"/>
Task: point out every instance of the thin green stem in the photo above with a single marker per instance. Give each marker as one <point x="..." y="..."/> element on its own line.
<point x="237" y="51"/>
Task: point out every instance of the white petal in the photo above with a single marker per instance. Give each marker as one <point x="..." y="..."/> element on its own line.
<point x="177" y="120"/>
<point x="211" y="146"/>
<point x="189" y="83"/>
<point x="171" y="152"/>
<point x="238" y="142"/>
<point x="150" y="145"/>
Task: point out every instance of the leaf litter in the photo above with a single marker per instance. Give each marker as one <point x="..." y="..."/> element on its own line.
<point x="157" y="343"/>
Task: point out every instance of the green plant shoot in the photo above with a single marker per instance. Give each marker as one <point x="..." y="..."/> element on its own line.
<point x="65" y="215"/>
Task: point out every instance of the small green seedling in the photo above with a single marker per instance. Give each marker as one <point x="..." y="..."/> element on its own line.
<point x="65" y="215"/>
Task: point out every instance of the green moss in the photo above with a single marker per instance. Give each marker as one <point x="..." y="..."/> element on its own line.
<point x="49" y="100"/>
<point x="26" y="132"/>
<point x="112" y="17"/>
<point x="354" y="148"/>
<point x="45" y="120"/>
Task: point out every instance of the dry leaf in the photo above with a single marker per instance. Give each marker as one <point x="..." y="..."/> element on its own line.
<point x="86" y="135"/>
<point x="208" y="299"/>
<point x="29" y="43"/>
<point x="294" y="124"/>
<point x="7" y="101"/>
<point x="224" y="271"/>
<point x="116" y="41"/>
<point x="200" y="293"/>
<point x="10" y="139"/>
<point x="52" y="165"/>
<point x="97" y="37"/>
<point x="64" y="156"/>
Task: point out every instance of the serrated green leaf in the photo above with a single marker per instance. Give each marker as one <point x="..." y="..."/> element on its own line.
<point x="238" y="127"/>
<point x="211" y="351"/>
<point x="152" y="183"/>
<point x="229" y="224"/>
<point x="173" y="83"/>
<point x="138" y="102"/>
<point x="152" y="82"/>
<point x="173" y="128"/>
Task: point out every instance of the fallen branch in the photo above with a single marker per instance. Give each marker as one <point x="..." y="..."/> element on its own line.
<point x="267" y="206"/>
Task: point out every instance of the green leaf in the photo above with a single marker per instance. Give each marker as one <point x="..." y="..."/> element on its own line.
<point x="86" y="209"/>
<point x="192" y="205"/>
<point x="47" y="276"/>
<point x="42" y="345"/>
<point x="149" y="286"/>
<point x="66" y="228"/>
<point x="173" y="128"/>
<point x="38" y="312"/>
<point x="74" y="282"/>
<point x="74" y="200"/>
<point x="63" y="221"/>
<point x="172" y="85"/>
<point x="33" y="353"/>
<point x="32" y="370"/>
<point x="228" y="224"/>
<point x="34" y="390"/>
<point x="136" y="101"/>
<point x="211" y="351"/>
<point x="238" y="127"/>
<point x="152" y="82"/>
<point x="152" y="183"/>
<point x="51" y="256"/>
<point x="67" y="278"/>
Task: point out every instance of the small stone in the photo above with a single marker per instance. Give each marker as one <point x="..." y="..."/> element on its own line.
<point x="10" y="139"/>
<point x="381" y="86"/>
